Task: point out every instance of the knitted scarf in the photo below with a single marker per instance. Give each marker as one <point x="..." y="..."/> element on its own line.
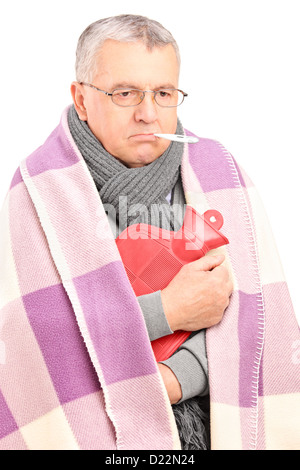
<point x="145" y="189"/>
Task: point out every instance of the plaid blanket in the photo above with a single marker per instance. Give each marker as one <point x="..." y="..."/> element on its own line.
<point x="76" y="366"/>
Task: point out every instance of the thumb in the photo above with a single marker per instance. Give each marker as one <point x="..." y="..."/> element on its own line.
<point x="209" y="262"/>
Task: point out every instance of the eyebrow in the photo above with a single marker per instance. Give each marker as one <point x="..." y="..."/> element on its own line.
<point x="115" y="86"/>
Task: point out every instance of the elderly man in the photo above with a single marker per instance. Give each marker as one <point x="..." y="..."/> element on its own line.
<point x="112" y="119"/>
<point x="79" y="370"/>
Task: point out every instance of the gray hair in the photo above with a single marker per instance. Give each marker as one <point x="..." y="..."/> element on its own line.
<point x="123" y="28"/>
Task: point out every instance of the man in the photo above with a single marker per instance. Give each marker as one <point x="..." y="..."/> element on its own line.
<point x="95" y="379"/>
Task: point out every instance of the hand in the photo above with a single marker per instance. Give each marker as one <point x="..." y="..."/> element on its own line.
<point x="171" y="383"/>
<point x="198" y="295"/>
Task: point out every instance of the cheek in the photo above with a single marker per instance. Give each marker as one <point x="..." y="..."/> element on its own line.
<point x="112" y="133"/>
<point x="117" y="125"/>
<point x="168" y="123"/>
<point x="107" y="125"/>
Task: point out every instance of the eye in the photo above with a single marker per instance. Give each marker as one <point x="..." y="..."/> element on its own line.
<point x="126" y="97"/>
<point x="124" y="94"/>
<point x="164" y="94"/>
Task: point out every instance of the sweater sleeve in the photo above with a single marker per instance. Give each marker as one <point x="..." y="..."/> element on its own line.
<point x="189" y="364"/>
<point x="154" y="315"/>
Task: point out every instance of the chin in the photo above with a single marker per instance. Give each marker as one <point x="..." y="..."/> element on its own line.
<point x="143" y="160"/>
<point x="142" y="156"/>
<point x="149" y="155"/>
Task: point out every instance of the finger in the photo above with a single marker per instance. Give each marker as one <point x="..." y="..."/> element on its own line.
<point x="221" y="271"/>
<point x="208" y="262"/>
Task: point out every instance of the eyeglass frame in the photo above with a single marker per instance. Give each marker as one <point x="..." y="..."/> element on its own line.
<point x="136" y="89"/>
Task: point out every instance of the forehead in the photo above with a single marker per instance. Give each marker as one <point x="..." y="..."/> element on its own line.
<point x="134" y="64"/>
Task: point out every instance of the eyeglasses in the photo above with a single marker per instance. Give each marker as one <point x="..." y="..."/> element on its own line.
<point x="126" y="97"/>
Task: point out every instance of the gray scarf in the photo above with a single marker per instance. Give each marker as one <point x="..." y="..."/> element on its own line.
<point x="137" y="194"/>
<point x="145" y="187"/>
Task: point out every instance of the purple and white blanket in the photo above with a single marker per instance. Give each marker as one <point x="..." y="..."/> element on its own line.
<point x="76" y="366"/>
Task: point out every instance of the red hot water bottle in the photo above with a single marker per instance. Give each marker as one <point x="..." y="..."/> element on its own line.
<point x="153" y="256"/>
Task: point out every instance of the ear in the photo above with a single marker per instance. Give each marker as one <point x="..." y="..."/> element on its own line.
<point x="77" y="92"/>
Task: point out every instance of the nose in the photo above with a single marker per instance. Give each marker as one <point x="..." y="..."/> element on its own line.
<point x="147" y="110"/>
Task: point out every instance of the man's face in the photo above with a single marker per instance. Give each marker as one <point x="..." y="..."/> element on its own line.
<point x="126" y="132"/>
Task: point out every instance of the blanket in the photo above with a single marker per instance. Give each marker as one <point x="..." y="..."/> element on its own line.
<point x="76" y="366"/>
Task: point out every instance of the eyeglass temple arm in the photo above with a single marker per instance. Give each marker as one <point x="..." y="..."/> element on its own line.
<point x="184" y="94"/>
<point x="95" y="88"/>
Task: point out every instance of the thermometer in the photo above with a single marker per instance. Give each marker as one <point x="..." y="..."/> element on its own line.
<point x="179" y="138"/>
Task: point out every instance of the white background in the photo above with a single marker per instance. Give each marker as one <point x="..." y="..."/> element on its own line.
<point x="240" y="66"/>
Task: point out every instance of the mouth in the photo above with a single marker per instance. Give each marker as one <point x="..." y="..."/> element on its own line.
<point x="149" y="137"/>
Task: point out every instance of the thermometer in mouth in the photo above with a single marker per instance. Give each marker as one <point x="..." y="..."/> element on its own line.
<point x="179" y="138"/>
